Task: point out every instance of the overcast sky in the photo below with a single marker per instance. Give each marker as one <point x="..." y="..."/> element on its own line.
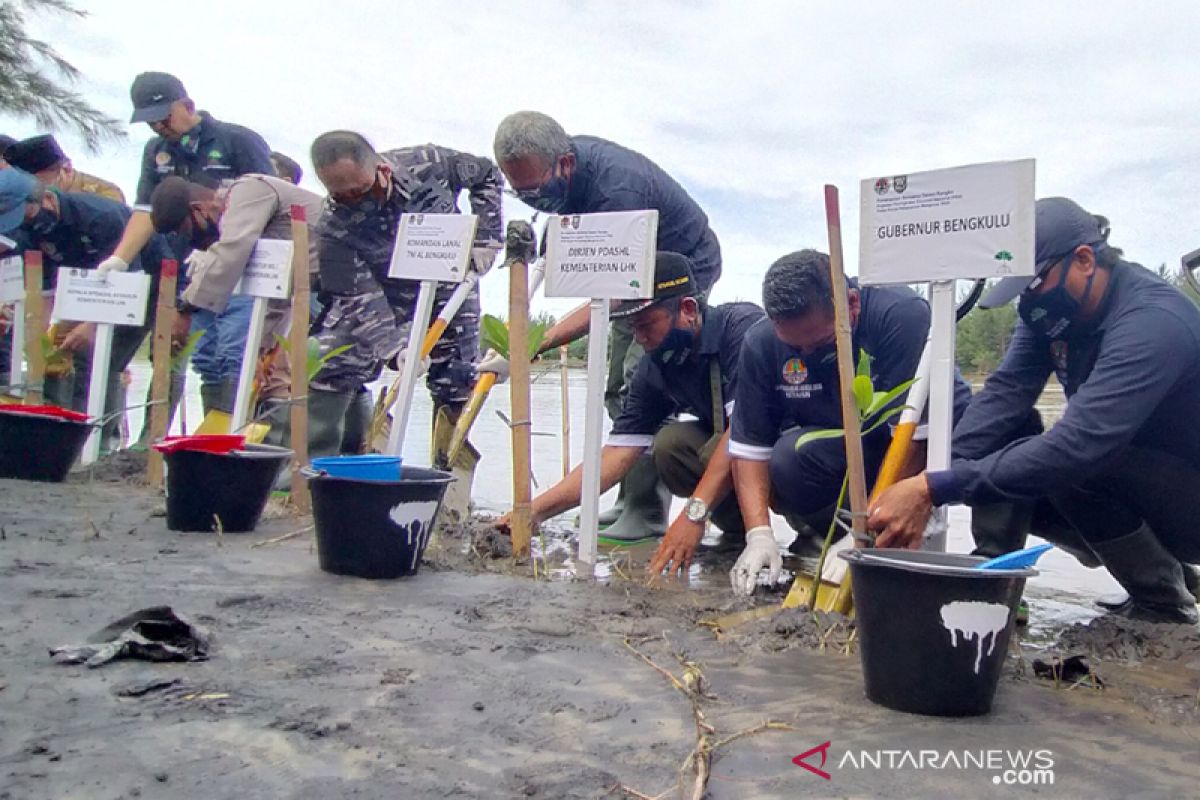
<point x="752" y="106"/>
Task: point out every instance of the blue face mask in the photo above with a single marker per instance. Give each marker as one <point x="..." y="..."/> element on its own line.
<point x="1051" y="313"/>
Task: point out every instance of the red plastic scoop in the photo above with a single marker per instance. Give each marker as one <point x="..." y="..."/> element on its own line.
<point x="44" y="411"/>
<point x="219" y="443"/>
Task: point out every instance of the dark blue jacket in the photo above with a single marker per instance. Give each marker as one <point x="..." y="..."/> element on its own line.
<point x="1131" y="377"/>
<point x="609" y="177"/>
<point x="220" y="151"/>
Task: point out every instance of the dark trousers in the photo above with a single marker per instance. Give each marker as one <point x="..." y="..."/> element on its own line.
<point x="71" y="391"/>
<point x="681" y="452"/>
<point x="805" y="483"/>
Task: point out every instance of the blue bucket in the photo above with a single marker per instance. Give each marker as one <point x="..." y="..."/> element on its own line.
<point x="363" y="468"/>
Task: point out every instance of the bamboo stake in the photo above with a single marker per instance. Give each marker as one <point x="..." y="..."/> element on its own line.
<point x="846" y="370"/>
<point x="35" y="328"/>
<point x="160" y="381"/>
<point x="518" y="359"/>
<point x="564" y="376"/>
<point x="298" y="338"/>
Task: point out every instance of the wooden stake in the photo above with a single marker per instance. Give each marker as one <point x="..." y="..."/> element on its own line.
<point x="299" y="351"/>
<point x="518" y="360"/>
<point x="160" y="381"/>
<point x="564" y="375"/>
<point x="846" y="367"/>
<point x="35" y="328"/>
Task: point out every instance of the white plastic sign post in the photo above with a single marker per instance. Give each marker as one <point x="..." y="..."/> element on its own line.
<point x="118" y="298"/>
<point x="268" y="276"/>
<point x="429" y="248"/>
<point x="969" y="222"/>
<point x="12" y="292"/>
<point x="600" y="257"/>
<point x="608" y="255"/>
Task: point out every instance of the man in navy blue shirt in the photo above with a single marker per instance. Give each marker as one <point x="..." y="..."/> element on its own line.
<point x="788" y="386"/>
<point x="560" y="174"/>
<point x="76" y="229"/>
<point x="691" y="366"/>
<point x="1122" y="466"/>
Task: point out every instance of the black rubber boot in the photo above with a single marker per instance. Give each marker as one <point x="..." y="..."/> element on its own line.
<point x="1191" y="578"/>
<point x="358" y="424"/>
<point x="210" y="397"/>
<point x="999" y="528"/>
<point x="646" y="504"/>
<point x="1152" y="576"/>
<point x="327" y="421"/>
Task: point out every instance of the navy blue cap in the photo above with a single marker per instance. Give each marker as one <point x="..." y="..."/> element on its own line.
<point x="1061" y="227"/>
<point x="152" y="94"/>
<point x="35" y="154"/>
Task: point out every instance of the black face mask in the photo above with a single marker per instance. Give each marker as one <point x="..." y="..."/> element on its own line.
<point x="1051" y="313"/>
<point x="676" y="346"/>
<point x="204" y="237"/>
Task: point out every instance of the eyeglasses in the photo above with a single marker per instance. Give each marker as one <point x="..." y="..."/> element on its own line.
<point x="1040" y="278"/>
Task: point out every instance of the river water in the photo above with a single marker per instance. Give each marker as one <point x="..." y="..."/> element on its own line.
<point x="1060" y="573"/>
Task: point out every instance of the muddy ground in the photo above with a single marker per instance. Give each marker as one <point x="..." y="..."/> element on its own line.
<point x="473" y="680"/>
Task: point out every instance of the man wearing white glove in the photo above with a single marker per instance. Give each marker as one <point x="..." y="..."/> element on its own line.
<point x="788" y="386"/>
<point x="495" y="363"/>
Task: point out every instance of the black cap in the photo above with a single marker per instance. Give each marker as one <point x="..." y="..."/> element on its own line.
<point x="672" y="278"/>
<point x="35" y="154"/>
<point x="152" y="94"/>
<point x="1061" y="227"/>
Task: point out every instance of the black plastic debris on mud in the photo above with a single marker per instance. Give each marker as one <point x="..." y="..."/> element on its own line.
<point x="150" y="634"/>
<point x="1123" y="639"/>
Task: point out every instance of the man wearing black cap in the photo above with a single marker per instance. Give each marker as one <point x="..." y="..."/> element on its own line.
<point x="789" y="386"/>
<point x="41" y="157"/>
<point x="189" y="144"/>
<point x="690" y="366"/>
<point x="1114" y="482"/>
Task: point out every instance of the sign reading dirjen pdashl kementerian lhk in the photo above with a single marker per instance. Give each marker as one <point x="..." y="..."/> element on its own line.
<point x="975" y="221"/>
<point x="607" y="255"/>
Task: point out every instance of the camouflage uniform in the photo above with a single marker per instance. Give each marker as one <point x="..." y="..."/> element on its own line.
<point x="83" y="182"/>
<point x="372" y="312"/>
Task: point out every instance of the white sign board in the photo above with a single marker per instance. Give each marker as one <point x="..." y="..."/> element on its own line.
<point x="117" y="298"/>
<point x="964" y="222"/>
<point x="12" y="280"/>
<point x="605" y="256"/>
<point x="433" y="247"/>
<point x="269" y="270"/>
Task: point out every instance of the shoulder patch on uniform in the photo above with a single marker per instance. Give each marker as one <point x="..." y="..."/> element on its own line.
<point x="467" y="169"/>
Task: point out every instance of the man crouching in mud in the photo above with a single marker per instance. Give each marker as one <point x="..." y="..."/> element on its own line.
<point x="690" y="366"/>
<point x="1114" y="482"/>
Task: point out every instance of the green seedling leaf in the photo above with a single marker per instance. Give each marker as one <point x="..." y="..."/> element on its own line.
<point x="880" y="400"/>
<point x="864" y="391"/>
<point x="864" y="365"/>
<point x="884" y="417"/>
<point x="537" y="335"/>
<point x="815" y="436"/>
<point x="181" y="358"/>
<point x="493" y="333"/>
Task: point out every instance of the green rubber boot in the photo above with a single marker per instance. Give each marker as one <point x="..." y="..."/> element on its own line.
<point x="645" y="514"/>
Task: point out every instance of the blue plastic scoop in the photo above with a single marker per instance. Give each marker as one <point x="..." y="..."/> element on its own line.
<point x="1016" y="560"/>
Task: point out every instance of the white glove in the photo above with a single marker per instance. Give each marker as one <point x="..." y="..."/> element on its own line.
<point x="112" y="264"/>
<point x="482" y="258"/>
<point x="494" y="362"/>
<point x="761" y="551"/>
<point x="396" y="362"/>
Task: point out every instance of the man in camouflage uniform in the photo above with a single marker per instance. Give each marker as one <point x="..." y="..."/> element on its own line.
<point x="363" y="307"/>
<point x="42" y="158"/>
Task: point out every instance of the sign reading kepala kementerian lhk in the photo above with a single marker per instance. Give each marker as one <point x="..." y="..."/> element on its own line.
<point x="975" y="221"/>
<point x="608" y="255"/>
<point x="117" y="298"/>
<point x="433" y="247"/>
<point x="268" y="271"/>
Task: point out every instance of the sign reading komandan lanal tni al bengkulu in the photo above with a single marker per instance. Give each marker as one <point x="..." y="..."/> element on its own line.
<point x="974" y="221"/>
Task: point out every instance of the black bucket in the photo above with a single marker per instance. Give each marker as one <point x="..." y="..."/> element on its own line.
<point x="233" y="487"/>
<point x="933" y="632"/>
<point x="37" y="447"/>
<point x="375" y="529"/>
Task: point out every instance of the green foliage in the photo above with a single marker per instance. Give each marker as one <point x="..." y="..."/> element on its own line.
<point x="32" y="75"/>
<point x="315" y="360"/>
<point x="493" y="333"/>
<point x="983" y="337"/>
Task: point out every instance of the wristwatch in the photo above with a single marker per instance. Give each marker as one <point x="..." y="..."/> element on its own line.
<point x="696" y="510"/>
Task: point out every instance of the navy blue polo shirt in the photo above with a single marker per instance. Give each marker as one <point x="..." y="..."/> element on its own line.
<point x="220" y="151"/>
<point x="659" y="390"/>
<point x="779" y="389"/>
<point x="1132" y="377"/>
<point x="609" y="177"/>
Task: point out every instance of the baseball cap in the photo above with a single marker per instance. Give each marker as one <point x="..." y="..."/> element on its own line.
<point x="1061" y="227"/>
<point x="152" y="94"/>
<point x="16" y="188"/>
<point x="672" y="278"/>
<point x="35" y="154"/>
